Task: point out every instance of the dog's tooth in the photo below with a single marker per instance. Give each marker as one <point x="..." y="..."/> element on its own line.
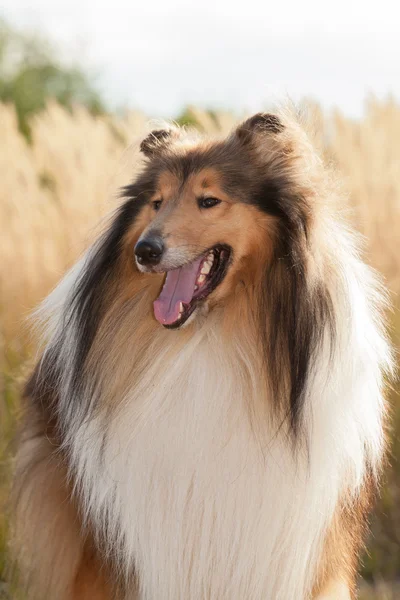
<point x="180" y="307"/>
<point x="196" y="287"/>
<point x="201" y="279"/>
<point x="206" y="268"/>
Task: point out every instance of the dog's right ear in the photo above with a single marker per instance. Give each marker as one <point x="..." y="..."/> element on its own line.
<point x="259" y="123"/>
<point x="156" y="142"/>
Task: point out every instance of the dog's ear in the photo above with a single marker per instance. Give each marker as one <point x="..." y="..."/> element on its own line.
<point x="259" y="123"/>
<point x="156" y="142"/>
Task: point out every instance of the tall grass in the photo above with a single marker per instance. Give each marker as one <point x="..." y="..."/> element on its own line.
<point x="55" y="190"/>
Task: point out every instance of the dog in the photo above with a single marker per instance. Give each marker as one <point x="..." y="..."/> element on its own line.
<point x="207" y="418"/>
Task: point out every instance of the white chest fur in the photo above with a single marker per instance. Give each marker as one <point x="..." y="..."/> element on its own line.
<point x="201" y="503"/>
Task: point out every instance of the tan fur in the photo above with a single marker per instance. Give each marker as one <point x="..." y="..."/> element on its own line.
<point x="344" y="541"/>
<point x="56" y="559"/>
<point x="336" y="589"/>
<point x="91" y="583"/>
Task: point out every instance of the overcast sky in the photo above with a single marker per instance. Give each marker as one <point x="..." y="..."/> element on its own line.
<point x="161" y="55"/>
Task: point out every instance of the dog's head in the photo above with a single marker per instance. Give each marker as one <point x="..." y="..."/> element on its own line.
<point x="207" y="213"/>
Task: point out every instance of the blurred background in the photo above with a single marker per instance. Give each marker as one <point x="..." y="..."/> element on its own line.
<point x="79" y="81"/>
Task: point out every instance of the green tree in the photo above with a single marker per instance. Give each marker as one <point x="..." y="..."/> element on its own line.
<point x="31" y="72"/>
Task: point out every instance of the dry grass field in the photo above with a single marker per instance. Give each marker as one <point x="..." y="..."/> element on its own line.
<point x="54" y="191"/>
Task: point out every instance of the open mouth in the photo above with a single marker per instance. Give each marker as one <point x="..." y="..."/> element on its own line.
<point x="184" y="288"/>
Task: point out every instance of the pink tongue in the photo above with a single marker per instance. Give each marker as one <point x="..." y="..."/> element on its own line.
<point x="178" y="287"/>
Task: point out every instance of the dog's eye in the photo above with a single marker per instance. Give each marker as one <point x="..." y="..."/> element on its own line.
<point x="208" y="202"/>
<point x="156" y="204"/>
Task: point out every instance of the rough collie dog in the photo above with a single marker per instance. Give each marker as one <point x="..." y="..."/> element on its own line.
<point x="206" y="420"/>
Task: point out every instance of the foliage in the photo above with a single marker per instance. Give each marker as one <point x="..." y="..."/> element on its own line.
<point x="31" y="73"/>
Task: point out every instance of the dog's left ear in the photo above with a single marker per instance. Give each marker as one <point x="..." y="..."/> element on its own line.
<point x="156" y="142"/>
<point x="259" y="123"/>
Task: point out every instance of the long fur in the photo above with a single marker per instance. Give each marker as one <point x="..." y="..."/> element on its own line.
<point x="234" y="458"/>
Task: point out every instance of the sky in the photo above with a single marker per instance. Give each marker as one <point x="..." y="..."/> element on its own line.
<point x="161" y="55"/>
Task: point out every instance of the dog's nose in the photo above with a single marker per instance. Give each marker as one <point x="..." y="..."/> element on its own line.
<point x="149" y="251"/>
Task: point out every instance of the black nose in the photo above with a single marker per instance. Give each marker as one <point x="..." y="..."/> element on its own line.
<point x="149" y="251"/>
